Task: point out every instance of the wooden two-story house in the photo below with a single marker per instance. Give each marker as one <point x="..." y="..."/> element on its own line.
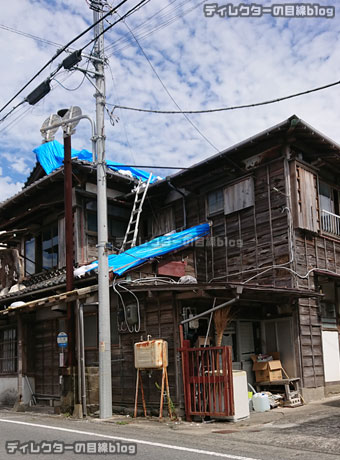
<point x="272" y="203"/>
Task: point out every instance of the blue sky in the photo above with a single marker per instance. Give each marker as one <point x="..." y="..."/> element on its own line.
<point x="203" y="62"/>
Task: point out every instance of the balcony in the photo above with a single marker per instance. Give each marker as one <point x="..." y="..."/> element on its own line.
<point x="330" y="222"/>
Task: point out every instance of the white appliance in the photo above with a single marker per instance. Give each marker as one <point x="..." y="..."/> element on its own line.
<point x="241" y="403"/>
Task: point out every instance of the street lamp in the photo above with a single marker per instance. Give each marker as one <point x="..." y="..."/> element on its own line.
<point x="68" y="120"/>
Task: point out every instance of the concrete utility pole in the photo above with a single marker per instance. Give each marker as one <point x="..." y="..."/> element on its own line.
<point x="105" y="385"/>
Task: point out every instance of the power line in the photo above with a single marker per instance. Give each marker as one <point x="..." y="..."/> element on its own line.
<point x="132" y="10"/>
<point x="12" y="110"/>
<point x="28" y="109"/>
<point x="149" y="166"/>
<point x="142" y="32"/>
<point x="158" y="27"/>
<point x="223" y="109"/>
<point x="28" y="35"/>
<point x="126" y="38"/>
<point x="128" y="13"/>
<point x="60" y="51"/>
<point x="168" y="92"/>
<point x="19" y="117"/>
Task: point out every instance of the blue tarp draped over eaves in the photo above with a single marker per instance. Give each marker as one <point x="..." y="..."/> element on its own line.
<point x="51" y="156"/>
<point x="120" y="263"/>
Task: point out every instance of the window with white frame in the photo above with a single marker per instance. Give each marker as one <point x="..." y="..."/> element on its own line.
<point x="329" y="208"/>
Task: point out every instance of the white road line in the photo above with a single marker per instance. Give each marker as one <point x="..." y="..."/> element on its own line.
<point x="137" y="441"/>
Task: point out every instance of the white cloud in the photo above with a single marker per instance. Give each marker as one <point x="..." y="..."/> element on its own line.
<point x="8" y="187"/>
<point x="17" y="163"/>
<point x="204" y="63"/>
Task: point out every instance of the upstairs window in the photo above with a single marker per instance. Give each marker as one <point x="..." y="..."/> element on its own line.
<point x="215" y="201"/>
<point x="49" y="247"/>
<point x="30" y="256"/>
<point x="41" y="250"/>
<point x="117" y="219"/>
<point x="329" y="208"/>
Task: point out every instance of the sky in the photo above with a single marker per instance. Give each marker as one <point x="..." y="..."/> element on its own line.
<point x="195" y="62"/>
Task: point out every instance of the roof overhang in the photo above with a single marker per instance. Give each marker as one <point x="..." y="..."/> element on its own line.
<point x="70" y="296"/>
<point x="290" y="131"/>
<point x="251" y="292"/>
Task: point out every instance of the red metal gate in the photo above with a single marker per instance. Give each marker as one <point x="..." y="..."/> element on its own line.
<point x="207" y="381"/>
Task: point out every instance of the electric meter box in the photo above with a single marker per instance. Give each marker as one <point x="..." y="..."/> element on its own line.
<point x="152" y="354"/>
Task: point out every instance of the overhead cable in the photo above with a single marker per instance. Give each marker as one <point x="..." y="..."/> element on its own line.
<point x="224" y="109"/>
<point x="167" y="91"/>
<point x="60" y="51"/>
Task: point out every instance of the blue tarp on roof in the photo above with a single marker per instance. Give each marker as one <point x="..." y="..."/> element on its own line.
<point x="120" y="263"/>
<point x="51" y="156"/>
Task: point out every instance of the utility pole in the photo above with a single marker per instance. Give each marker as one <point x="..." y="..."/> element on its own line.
<point x="69" y="245"/>
<point x="105" y="385"/>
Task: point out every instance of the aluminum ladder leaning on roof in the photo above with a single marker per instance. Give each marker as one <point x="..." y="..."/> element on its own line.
<point x="130" y="237"/>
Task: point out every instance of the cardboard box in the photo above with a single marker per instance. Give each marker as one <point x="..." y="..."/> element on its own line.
<point x="200" y="342"/>
<point x="267" y="371"/>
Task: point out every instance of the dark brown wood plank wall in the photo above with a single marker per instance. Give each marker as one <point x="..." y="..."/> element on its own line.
<point x="158" y="319"/>
<point x="311" y="344"/>
<point x="251" y="239"/>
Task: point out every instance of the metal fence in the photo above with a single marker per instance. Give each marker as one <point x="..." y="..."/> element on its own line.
<point x="330" y="222"/>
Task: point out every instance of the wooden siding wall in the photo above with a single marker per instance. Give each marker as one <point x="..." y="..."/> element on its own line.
<point x="253" y="238"/>
<point x="313" y="251"/>
<point x="159" y="319"/>
<point x="310" y="344"/>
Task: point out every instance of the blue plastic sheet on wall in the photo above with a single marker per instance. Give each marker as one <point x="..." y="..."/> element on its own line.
<point x="120" y="263"/>
<point x="51" y="156"/>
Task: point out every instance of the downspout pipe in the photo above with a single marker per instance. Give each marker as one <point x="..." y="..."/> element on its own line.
<point x="183" y="198"/>
<point x="82" y="359"/>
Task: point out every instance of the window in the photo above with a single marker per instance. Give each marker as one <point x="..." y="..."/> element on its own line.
<point x="215" y="201"/>
<point x="329" y="208"/>
<point x="117" y="219"/>
<point x="49" y="245"/>
<point x="30" y="256"/>
<point x="8" y="351"/>
<point x="328" y="315"/>
<point x="41" y="251"/>
<point x="328" y="305"/>
<point x="239" y="196"/>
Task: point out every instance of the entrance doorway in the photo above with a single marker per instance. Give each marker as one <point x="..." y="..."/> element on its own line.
<point x="277" y="335"/>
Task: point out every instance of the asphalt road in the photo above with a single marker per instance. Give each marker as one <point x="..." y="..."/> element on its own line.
<point x="155" y="441"/>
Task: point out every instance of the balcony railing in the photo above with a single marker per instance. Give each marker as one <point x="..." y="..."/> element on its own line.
<point x="330" y="222"/>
